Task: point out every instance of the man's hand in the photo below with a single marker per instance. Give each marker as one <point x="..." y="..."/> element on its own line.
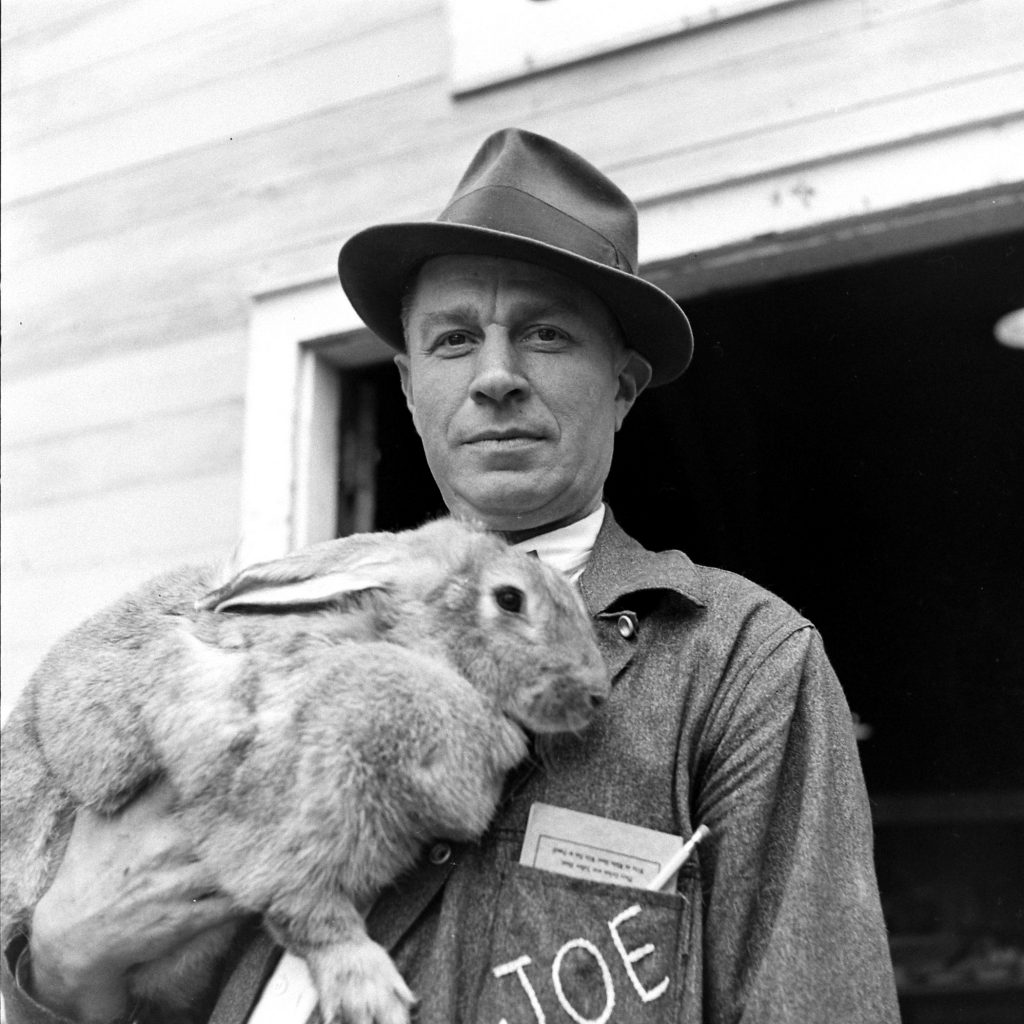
<point x="128" y="891"/>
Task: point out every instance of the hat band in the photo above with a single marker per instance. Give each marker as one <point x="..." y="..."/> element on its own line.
<point x="507" y="209"/>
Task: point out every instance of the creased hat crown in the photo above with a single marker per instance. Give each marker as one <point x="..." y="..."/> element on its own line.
<point x="525" y="184"/>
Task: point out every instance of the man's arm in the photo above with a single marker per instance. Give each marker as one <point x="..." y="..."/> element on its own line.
<point x="793" y="926"/>
<point x="128" y="891"/>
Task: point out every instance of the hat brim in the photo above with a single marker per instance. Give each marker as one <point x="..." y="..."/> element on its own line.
<point x="375" y="265"/>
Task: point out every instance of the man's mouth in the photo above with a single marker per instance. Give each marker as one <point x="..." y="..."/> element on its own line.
<point x="503" y="438"/>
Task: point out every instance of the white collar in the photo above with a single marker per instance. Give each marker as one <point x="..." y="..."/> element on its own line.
<point x="568" y="547"/>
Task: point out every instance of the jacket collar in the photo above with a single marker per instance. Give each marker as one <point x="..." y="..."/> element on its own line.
<point x="620" y="566"/>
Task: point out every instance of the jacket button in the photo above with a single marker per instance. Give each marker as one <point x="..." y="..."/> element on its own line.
<point x="440" y="853"/>
<point x="626" y="625"/>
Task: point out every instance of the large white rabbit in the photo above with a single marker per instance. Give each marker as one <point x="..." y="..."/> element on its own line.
<point x="319" y="718"/>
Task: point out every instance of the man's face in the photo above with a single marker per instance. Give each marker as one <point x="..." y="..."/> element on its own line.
<point x="517" y="380"/>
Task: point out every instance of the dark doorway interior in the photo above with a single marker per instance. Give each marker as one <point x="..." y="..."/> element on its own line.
<point x="853" y="440"/>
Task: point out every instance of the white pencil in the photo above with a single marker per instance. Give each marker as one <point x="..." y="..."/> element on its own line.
<point x="678" y="859"/>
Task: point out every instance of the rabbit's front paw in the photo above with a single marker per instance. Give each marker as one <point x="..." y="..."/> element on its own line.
<point x="358" y="984"/>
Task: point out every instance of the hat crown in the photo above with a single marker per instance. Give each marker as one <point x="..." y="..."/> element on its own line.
<point x="527" y="185"/>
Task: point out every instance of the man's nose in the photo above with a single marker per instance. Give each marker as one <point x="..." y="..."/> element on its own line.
<point x="498" y="376"/>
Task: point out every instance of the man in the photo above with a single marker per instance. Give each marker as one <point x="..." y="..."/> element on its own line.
<point x="524" y="337"/>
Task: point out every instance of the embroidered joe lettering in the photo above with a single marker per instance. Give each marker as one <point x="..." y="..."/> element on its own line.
<point x="629" y="958"/>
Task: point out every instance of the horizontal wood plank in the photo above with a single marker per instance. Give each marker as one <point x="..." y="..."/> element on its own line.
<point x="978" y="100"/>
<point x="52" y="46"/>
<point x="337" y="72"/>
<point x="102" y="459"/>
<point x="27" y="22"/>
<point x="180" y="52"/>
<point x="152" y="519"/>
<point x="160" y="314"/>
<point x="68" y="398"/>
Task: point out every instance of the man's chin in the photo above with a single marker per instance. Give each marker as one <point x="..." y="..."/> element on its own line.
<point x="518" y="510"/>
<point x="506" y="510"/>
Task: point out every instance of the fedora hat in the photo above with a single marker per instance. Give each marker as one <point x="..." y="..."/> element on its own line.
<point x="528" y="198"/>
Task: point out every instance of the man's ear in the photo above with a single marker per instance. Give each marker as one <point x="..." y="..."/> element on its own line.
<point x="634" y="375"/>
<point x="402" y="362"/>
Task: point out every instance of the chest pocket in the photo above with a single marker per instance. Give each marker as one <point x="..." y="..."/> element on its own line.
<point x="567" y="949"/>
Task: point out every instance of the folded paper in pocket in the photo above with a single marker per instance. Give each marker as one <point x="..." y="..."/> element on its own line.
<point x="597" y="849"/>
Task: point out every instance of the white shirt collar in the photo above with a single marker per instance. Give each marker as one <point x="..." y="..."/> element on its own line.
<point x="567" y="548"/>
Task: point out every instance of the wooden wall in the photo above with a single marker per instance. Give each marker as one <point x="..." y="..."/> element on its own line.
<point x="164" y="163"/>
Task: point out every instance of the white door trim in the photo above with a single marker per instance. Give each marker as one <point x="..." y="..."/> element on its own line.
<point x="298" y="340"/>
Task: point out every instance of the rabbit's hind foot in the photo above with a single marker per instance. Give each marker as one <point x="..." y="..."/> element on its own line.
<point x="359" y="984"/>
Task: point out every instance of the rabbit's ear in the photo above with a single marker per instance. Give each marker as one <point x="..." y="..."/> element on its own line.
<point x="314" y="575"/>
<point x="412" y="562"/>
<point x="332" y="586"/>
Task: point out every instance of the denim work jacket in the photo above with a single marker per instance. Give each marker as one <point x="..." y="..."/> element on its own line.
<point x="725" y="712"/>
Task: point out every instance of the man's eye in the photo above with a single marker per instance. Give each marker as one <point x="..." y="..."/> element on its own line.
<point x="547" y="335"/>
<point x="452" y="341"/>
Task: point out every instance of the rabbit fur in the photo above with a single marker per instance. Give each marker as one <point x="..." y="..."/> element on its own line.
<point x="319" y="718"/>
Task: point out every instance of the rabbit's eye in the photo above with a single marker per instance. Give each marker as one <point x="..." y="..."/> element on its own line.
<point x="509" y="599"/>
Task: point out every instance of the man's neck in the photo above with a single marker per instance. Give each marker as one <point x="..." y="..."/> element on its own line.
<point x="518" y="536"/>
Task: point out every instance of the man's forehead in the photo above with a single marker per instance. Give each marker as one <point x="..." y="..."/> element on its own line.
<point x="446" y="279"/>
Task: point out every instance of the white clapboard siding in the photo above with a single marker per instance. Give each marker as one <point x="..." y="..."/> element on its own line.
<point x="154" y="517"/>
<point x="154" y="64"/>
<point x="130" y="322"/>
<point x="51" y="44"/>
<point x="805" y="64"/>
<point x="155" y="446"/>
<point x="31" y="20"/>
<point x="987" y="100"/>
<point x="338" y="70"/>
<point x="76" y="397"/>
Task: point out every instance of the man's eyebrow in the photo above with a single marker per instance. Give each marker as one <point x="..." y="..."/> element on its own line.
<point x="469" y="314"/>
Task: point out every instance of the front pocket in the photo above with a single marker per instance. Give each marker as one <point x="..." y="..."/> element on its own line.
<point x="566" y="949"/>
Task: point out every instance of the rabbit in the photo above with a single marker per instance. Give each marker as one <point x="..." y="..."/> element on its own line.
<point x="345" y="704"/>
